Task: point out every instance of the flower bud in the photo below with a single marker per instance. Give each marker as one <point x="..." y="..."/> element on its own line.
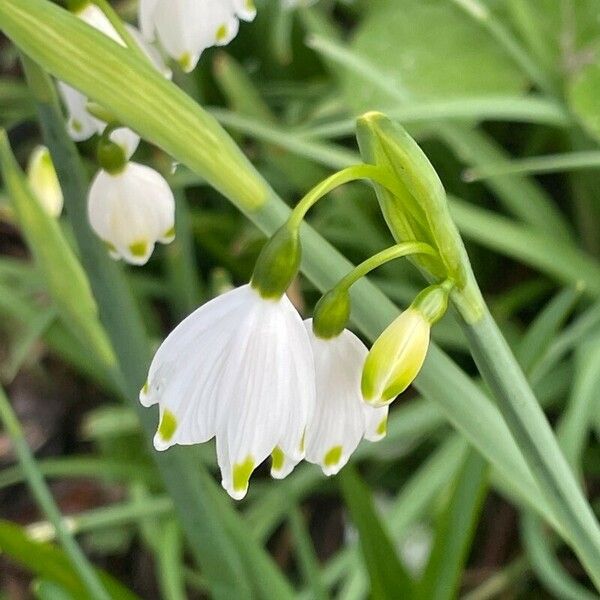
<point x="396" y="358"/>
<point x="331" y="314"/>
<point x="278" y="263"/>
<point x="399" y="353"/>
<point x="43" y="181"/>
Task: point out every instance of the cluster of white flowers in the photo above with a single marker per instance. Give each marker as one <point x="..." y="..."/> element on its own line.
<point x="257" y="379"/>
<point x="185" y="28"/>
<point x="130" y="206"/>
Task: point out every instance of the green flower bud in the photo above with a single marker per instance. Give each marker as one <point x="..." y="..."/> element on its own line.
<point x="399" y="353"/>
<point x="43" y="181"/>
<point x="278" y="263"/>
<point x="111" y="156"/>
<point x="332" y="313"/>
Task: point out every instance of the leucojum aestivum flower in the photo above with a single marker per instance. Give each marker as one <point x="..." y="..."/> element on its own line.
<point x="264" y="383"/>
<point x="257" y="378"/>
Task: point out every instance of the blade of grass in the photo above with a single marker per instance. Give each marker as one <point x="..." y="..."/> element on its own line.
<point x="536" y="165"/>
<point x="528" y="109"/>
<point x="389" y="578"/>
<point x="170" y="559"/>
<point x="455" y="532"/>
<point x="80" y="466"/>
<point x="40" y="491"/>
<point x="307" y="558"/>
<point x="52" y="563"/>
<point x="548" y="254"/>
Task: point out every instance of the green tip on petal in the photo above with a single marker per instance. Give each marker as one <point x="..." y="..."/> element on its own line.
<point x="145" y="389"/>
<point x="241" y="474"/>
<point x="169" y="234"/>
<point x="221" y="33"/>
<point x="333" y="457"/>
<point x="168" y="426"/>
<point x="382" y="427"/>
<point x="250" y="5"/>
<point x="139" y="249"/>
<point x="277" y="459"/>
<point x="76" y="125"/>
<point x="185" y="62"/>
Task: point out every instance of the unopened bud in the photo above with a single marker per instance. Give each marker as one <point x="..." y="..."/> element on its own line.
<point x="399" y="353"/>
<point x="43" y="181"/>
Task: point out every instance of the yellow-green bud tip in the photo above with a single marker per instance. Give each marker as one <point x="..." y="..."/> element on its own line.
<point x="396" y="358"/>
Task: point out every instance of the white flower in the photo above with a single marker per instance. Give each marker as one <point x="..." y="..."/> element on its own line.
<point x="239" y="369"/>
<point x="185" y="28"/>
<point x="43" y="181"/>
<point x="81" y="124"/>
<point x="131" y="210"/>
<point x="341" y="418"/>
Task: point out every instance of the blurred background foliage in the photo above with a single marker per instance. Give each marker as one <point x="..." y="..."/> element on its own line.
<point x="504" y="97"/>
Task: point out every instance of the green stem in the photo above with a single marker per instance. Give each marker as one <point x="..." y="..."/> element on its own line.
<point x="120" y="28"/>
<point x="46" y="503"/>
<point x="346" y="175"/>
<point x="381" y="258"/>
<point x="534" y="436"/>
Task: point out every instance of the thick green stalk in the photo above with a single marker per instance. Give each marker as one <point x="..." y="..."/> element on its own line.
<point x="46" y="502"/>
<point x="535" y="438"/>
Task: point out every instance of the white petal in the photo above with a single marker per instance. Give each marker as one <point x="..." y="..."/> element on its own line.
<point x="269" y="388"/>
<point x="94" y="16"/>
<point x="338" y="423"/>
<point x="146" y="11"/>
<point x="375" y="422"/>
<point x="240" y="368"/>
<point x="245" y="9"/>
<point x="131" y="210"/>
<point x="127" y="139"/>
<point x="81" y="125"/>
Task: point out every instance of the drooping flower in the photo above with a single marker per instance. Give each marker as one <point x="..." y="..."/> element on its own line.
<point x="43" y="181"/>
<point x="341" y="418"/>
<point x="185" y="28"/>
<point x="131" y="209"/>
<point x="81" y="124"/>
<point x="239" y="369"/>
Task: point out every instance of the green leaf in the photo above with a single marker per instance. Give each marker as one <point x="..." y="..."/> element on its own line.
<point x="439" y="52"/>
<point x="51" y="563"/>
<point x="455" y="532"/>
<point x="583" y="93"/>
<point x="389" y="578"/>
<point x="66" y="281"/>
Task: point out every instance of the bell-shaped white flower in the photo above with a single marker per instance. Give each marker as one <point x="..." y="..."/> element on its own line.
<point x="43" y="181"/>
<point x="130" y="210"/>
<point x="81" y="124"/>
<point x="239" y="369"/>
<point x="185" y="28"/>
<point x="341" y="418"/>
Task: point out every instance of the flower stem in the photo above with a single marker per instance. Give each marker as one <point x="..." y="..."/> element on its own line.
<point x="534" y="436"/>
<point x="46" y="503"/>
<point x="346" y="175"/>
<point x="381" y="258"/>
